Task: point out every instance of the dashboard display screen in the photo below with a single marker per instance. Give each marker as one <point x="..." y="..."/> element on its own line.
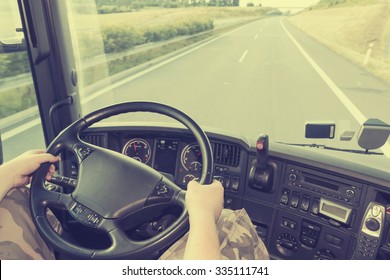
<point x="335" y="211"/>
<point x="166" y="155"/>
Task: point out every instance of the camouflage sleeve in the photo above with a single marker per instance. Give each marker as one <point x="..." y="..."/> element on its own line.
<point x="237" y="237"/>
<point x="19" y="238"/>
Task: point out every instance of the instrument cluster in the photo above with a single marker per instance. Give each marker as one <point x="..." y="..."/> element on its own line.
<point x="182" y="159"/>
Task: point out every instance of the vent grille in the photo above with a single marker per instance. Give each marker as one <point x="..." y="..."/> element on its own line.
<point x="226" y="154"/>
<point x="95" y="139"/>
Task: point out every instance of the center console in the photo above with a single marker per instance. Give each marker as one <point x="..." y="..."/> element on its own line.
<point x="316" y="215"/>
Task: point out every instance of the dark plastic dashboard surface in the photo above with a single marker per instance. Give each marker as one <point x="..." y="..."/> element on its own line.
<point x="313" y="210"/>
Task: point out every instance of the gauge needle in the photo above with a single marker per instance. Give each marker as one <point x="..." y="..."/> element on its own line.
<point x="135" y="148"/>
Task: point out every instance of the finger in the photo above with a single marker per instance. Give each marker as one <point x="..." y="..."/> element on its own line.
<point x="216" y="184"/>
<point x="192" y="184"/>
<point x="50" y="172"/>
<point x="49" y="176"/>
<point x="52" y="169"/>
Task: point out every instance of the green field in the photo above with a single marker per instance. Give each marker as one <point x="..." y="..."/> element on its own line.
<point x="96" y="34"/>
<point x="172" y="29"/>
<point x="147" y="18"/>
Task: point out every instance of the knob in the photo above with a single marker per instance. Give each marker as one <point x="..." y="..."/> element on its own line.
<point x="286" y="244"/>
<point x="350" y="193"/>
<point x="372" y="224"/>
<point x="292" y="177"/>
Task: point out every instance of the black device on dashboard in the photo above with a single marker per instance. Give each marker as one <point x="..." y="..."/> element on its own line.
<point x="320" y="130"/>
<point x="369" y="237"/>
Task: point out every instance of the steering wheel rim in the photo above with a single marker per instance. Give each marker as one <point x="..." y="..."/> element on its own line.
<point x="89" y="203"/>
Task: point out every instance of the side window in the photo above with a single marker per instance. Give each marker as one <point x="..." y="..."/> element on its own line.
<point x="19" y="117"/>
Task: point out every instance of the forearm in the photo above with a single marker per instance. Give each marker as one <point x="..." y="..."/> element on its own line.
<point x="203" y="243"/>
<point x="6" y="181"/>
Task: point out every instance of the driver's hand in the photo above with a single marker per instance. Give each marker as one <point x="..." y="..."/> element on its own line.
<point x="19" y="169"/>
<point x="204" y="201"/>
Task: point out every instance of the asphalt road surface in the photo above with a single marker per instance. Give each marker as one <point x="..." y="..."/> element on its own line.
<point x="265" y="77"/>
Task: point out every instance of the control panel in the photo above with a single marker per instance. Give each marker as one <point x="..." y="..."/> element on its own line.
<point x="317" y="211"/>
<point x="330" y="187"/>
<point x="296" y="237"/>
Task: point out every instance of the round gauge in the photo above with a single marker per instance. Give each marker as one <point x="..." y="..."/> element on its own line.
<point x="191" y="158"/>
<point x="188" y="178"/>
<point x="138" y="149"/>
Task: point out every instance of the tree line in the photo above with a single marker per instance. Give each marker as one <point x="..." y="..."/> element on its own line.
<point x="117" y="6"/>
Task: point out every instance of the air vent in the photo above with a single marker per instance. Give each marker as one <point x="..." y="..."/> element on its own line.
<point x="226" y="154"/>
<point x="96" y="139"/>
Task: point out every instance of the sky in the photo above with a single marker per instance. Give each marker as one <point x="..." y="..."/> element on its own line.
<point x="9" y="20"/>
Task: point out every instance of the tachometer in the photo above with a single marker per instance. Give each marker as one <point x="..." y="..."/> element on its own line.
<point x="191" y="158"/>
<point x="188" y="178"/>
<point x="138" y="149"/>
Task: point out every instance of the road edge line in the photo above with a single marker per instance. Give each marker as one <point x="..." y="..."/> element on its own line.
<point x="349" y="105"/>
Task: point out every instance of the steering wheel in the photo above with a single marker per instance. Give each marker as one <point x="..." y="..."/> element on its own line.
<point x="112" y="188"/>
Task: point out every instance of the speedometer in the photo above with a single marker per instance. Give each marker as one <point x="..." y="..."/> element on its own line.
<point x="191" y="158"/>
<point x="138" y="149"/>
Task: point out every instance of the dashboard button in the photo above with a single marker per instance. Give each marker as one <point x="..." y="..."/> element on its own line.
<point x="376" y="210"/>
<point x="329" y="238"/>
<point x="315" y="207"/>
<point x="285" y="197"/>
<point x="294" y="200"/>
<point x="235" y="183"/>
<point x="305" y="203"/>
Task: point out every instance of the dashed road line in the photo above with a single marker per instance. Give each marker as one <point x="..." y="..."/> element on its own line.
<point x="243" y="56"/>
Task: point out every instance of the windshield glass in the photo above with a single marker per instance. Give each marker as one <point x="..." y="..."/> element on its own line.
<point x="246" y="67"/>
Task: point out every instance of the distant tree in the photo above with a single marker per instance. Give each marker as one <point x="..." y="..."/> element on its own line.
<point x="213" y="3"/>
<point x="18" y="63"/>
<point x="3" y="65"/>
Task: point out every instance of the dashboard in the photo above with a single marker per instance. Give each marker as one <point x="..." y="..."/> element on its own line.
<point x="313" y="207"/>
<point x="176" y="154"/>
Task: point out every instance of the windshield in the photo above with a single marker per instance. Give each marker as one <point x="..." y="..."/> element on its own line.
<point x="245" y="67"/>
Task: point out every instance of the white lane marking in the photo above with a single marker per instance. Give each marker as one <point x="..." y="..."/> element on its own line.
<point x="20" y="129"/>
<point x="360" y="118"/>
<point x="256" y="36"/>
<point x="150" y="69"/>
<point x="243" y="56"/>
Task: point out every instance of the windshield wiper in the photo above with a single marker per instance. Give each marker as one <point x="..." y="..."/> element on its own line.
<point x="318" y="146"/>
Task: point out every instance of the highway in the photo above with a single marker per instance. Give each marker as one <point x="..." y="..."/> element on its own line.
<point x="264" y="77"/>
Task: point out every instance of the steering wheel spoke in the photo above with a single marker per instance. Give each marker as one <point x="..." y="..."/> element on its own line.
<point x="165" y="192"/>
<point x="82" y="150"/>
<point x="45" y="198"/>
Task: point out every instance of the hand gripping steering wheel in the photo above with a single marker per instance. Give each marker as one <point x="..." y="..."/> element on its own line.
<point x="112" y="188"/>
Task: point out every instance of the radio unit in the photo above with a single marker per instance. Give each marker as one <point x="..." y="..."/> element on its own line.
<point x="341" y="189"/>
